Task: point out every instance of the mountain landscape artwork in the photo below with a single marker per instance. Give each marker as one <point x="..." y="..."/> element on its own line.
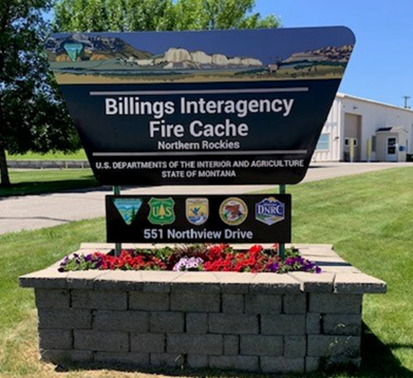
<point x="111" y="58"/>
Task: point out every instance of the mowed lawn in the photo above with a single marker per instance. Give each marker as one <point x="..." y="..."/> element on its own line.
<point x="368" y="218"/>
<point x="36" y="181"/>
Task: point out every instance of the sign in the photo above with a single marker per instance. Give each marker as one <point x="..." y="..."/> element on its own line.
<point x="209" y="107"/>
<point x="199" y="219"/>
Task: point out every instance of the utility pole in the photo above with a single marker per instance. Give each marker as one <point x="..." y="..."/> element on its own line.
<point x="406" y="98"/>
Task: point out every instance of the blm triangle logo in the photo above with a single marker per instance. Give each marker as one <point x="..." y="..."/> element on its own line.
<point x="73" y="50"/>
<point x="128" y="208"/>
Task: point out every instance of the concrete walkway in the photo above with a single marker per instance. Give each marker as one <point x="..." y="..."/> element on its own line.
<point x="47" y="210"/>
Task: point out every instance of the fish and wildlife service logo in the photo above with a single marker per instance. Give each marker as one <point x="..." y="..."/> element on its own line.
<point x="197" y="210"/>
<point x="128" y="208"/>
<point x="269" y="211"/>
<point x="233" y="211"/>
<point x="161" y="211"/>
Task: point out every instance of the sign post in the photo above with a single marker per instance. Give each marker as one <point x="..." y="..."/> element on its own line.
<point x="282" y="245"/>
<point x="118" y="246"/>
<point x="228" y="107"/>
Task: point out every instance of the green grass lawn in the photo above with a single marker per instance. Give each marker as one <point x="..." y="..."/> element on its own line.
<point x="50" y="180"/>
<point x="78" y="155"/>
<point x="368" y="218"/>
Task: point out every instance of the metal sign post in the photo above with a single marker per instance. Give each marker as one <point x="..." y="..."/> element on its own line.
<point x="282" y="245"/>
<point x="118" y="246"/>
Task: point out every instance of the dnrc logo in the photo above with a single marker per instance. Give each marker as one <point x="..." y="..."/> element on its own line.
<point x="269" y="211"/>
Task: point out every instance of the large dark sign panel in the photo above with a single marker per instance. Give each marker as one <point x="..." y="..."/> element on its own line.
<point x="199" y="219"/>
<point x="217" y="107"/>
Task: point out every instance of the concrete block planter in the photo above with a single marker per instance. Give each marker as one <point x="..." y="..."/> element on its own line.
<point x="269" y="323"/>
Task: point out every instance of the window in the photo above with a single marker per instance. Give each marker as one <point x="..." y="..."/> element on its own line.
<point x="324" y="142"/>
<point x="391" y="145"/>
<point x="373" y="143"/>
<point x="347" y="142"/>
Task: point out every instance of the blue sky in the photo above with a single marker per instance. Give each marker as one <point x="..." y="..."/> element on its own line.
<point x="381" y="67"/>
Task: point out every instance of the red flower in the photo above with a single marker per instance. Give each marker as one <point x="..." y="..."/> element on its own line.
<point x="217" y="258"/>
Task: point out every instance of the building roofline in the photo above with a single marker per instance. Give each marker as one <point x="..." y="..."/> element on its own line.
<point x="391" y="129"/>
<point x="343" y="95"/>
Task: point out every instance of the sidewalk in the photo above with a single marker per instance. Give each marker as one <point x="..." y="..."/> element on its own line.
<point x="47" y="210"/>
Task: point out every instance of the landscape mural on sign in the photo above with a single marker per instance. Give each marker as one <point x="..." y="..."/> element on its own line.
<point x="228" y="107"/>
<point x="101" y="58"/>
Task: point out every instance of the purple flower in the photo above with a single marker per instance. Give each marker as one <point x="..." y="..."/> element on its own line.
<point x="185" y="263"/>
<point x="307" y="266"/>
<point x="289" y="261"/>
<point x="273" y="267"/>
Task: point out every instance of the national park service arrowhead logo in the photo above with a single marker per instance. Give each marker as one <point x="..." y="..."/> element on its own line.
<point x="161" y="211"/>
<point x="197" y="210"/>
<point x="128" y="208"/>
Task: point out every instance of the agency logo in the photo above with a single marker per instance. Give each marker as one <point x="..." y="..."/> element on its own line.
<point x="128" y="208"/>
<point x="161" y="211"/>
<point x="197" y="210"/>
<point x="233" y="211"/>
<point x="269" y="211"/>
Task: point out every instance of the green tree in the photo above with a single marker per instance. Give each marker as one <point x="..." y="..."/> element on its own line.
<point x="138" y="15"/>
<point x="113" y="15"/>
<point x="32" y="118"/>
<point x="220" y="14"/>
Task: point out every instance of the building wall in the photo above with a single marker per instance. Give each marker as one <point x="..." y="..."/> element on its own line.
<point x="400" y="136"/>
<point x="334" y="132"/>
<point x="374" y="115"/>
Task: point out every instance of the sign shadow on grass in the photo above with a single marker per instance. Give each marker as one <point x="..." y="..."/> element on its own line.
<point x="378" y="359"/>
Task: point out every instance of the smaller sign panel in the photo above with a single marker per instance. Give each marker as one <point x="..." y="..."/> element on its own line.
<point x="199" y="219"/>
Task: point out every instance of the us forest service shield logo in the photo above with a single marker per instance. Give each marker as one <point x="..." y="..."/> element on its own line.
<point x="233" y="211"/>
<point x="197" y="210"/>
<point x="161" y="211"/>
<point x="269" y="211"/>
<point x="128" y="208"/>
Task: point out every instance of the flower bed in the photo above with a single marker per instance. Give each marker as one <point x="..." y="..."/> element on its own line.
<point x="202" y="257"/>
<point x="252" y="321"/>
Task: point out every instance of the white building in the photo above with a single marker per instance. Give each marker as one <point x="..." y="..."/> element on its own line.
<point x="365" y="130"/>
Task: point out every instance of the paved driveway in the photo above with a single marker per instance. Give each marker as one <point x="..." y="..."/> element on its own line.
<point x="33" y="212"/>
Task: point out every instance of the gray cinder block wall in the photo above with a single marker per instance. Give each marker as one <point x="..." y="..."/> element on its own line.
<point x="263" y="322"/>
